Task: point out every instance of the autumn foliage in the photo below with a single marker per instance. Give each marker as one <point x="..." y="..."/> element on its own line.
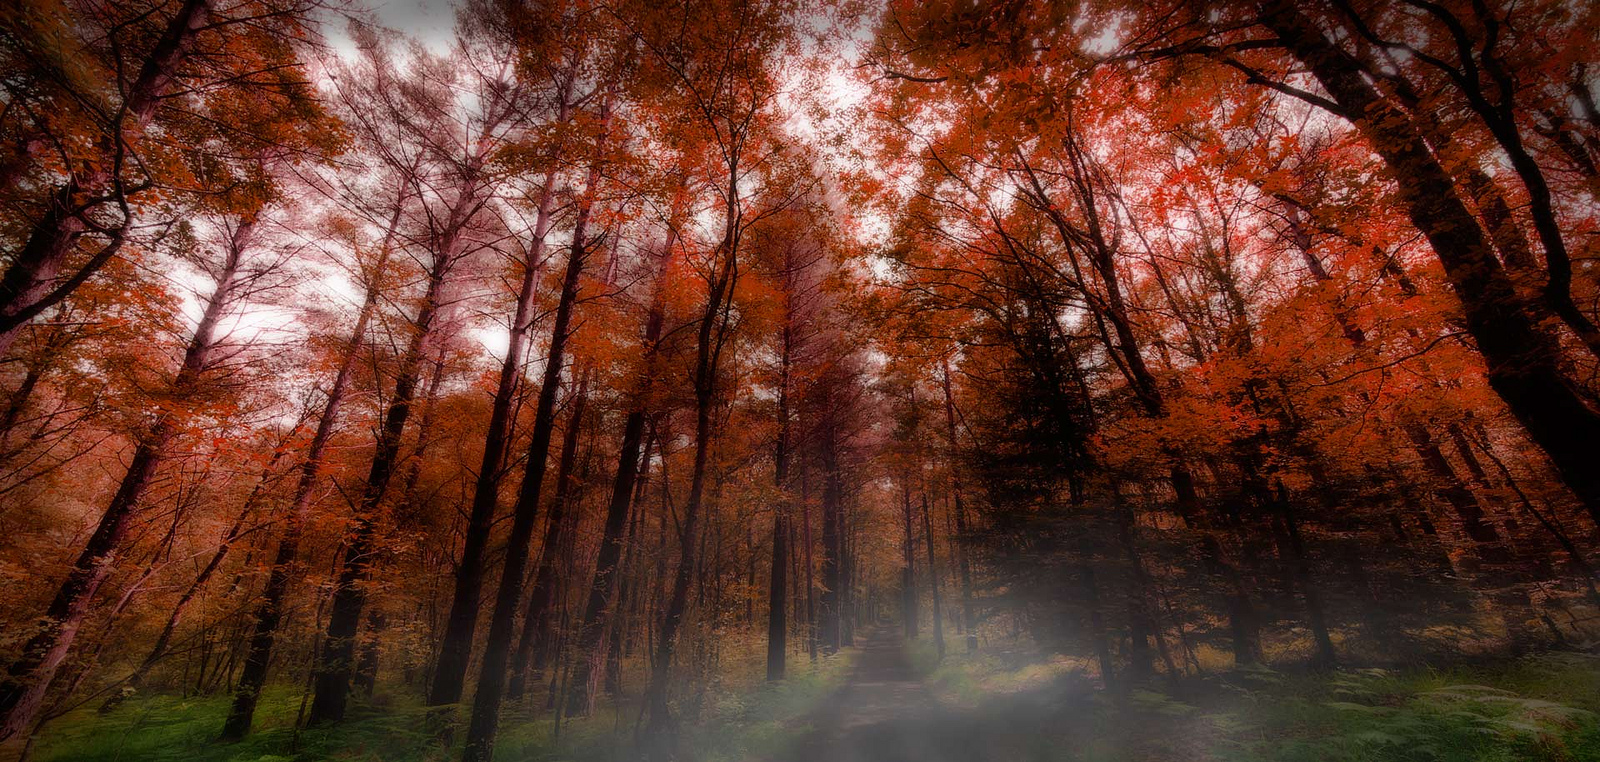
<point x="568" y="364"/>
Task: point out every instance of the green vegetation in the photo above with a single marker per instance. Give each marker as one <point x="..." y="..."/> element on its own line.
<point x="1544" y="708"/>
<point x="1537" y="708"/>
<point x="724" y="723"/>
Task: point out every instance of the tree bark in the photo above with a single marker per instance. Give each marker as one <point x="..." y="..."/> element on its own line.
<point x="831" y="614"/>
<point x="908" y="563"/>
<point x="269" y="611"/>
<point x="461" y="624"/>
<point x="600" y="606"/>
<point x="485" y="719"/>
<point x="778" y="583"/>
<point x="712" y="334"/>
<point x="933" y="576"/>
<point x="538" y="632"/>
<point x="969" y="621"/>
<point x="336" y="663"/>
<point x="28" y="677"/>
<point x="1523" y="359"/>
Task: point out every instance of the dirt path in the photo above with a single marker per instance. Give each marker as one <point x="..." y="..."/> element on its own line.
<point x="885" y="714"/>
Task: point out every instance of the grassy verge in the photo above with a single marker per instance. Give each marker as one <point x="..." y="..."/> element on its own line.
<point x="1542" y="708"/>
<point x="748" y="720"/>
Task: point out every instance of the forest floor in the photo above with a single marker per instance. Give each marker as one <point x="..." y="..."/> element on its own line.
<point x="886" y="701"/>
<point x="738" y="719"/>
<point x="884" y="712"/>
<point x="996" y="706"/>
<point x="902" y="703"/>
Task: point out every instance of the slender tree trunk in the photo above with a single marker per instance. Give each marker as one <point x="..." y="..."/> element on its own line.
<point x="1097" y="632"/>
<point x="455" y="651"/>
<point x="831" y="613"/>
<point x="269" y="611"/>
<point x="712" y="334"/>
<point x="494" y="672"/>
<point x="538" y="632"/>
<point x="28" y="678"/>
<point x="28" y="286"/>
<point x="336" y="664"/>
<point x="1141" y="624"/>
<point x="969" y="622"/>
<point x="626" y="601"/>
<point x="908" y="563"/>
<point x="164" y="638"/>
<point x="778" y="588"/>
<point x="599" y="608"/>
<point x="933" y="576"/>
<point x="1325" y="656"/>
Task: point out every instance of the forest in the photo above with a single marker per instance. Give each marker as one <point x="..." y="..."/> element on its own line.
<point x="771" y="380"/>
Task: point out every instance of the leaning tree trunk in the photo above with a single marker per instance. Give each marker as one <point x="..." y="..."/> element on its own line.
<point x="1523" y="358"/>
<point x="462" y="622"/>
<point x="599" y="611"/>
<point x="164" y="638"/>
<point x="485" y="719"/>
<point x="269" y="611"/>
<point x="534" y="645"/>
<point x="28" y="286"/>
<point x="336" y="663"/>
<point x="28" y="678"/>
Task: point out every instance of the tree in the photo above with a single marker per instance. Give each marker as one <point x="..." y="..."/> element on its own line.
<point x="31" y="674"/>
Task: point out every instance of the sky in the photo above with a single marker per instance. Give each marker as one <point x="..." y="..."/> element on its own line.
<point x="432" y="22"/>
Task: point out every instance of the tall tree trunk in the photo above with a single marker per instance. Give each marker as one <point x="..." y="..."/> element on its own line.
<point x="1523" y="359"/>
<point x="626" y="601"/>
<point x="778" y="587"/>
<point x="455" y="650"/>
<point x="336" y="663"/>
<point x="538" y="632"/>
<point x="908" y="563"/>
<point x="600" y="606"/>
<point x="269" y="611"/>
<point x="933" y="576"/>
<point x="1325" y="657"/>
<point x="831" y="614"/>
<point x="712" y="335"/>
<point x="28" y="678"/>
<point x="1098" y="633"/>
<point x="485" y="719"/>
<point x="969" y="621"/>
<point x="813" y="636"/>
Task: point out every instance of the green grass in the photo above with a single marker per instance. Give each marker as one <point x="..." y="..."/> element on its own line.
<point x="165" y="728"/>
<point x="743" y="721"/>
<point x="1540" y="709"/>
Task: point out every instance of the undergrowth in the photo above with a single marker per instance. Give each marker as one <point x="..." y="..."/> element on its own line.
<point x="743" y="722"/>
